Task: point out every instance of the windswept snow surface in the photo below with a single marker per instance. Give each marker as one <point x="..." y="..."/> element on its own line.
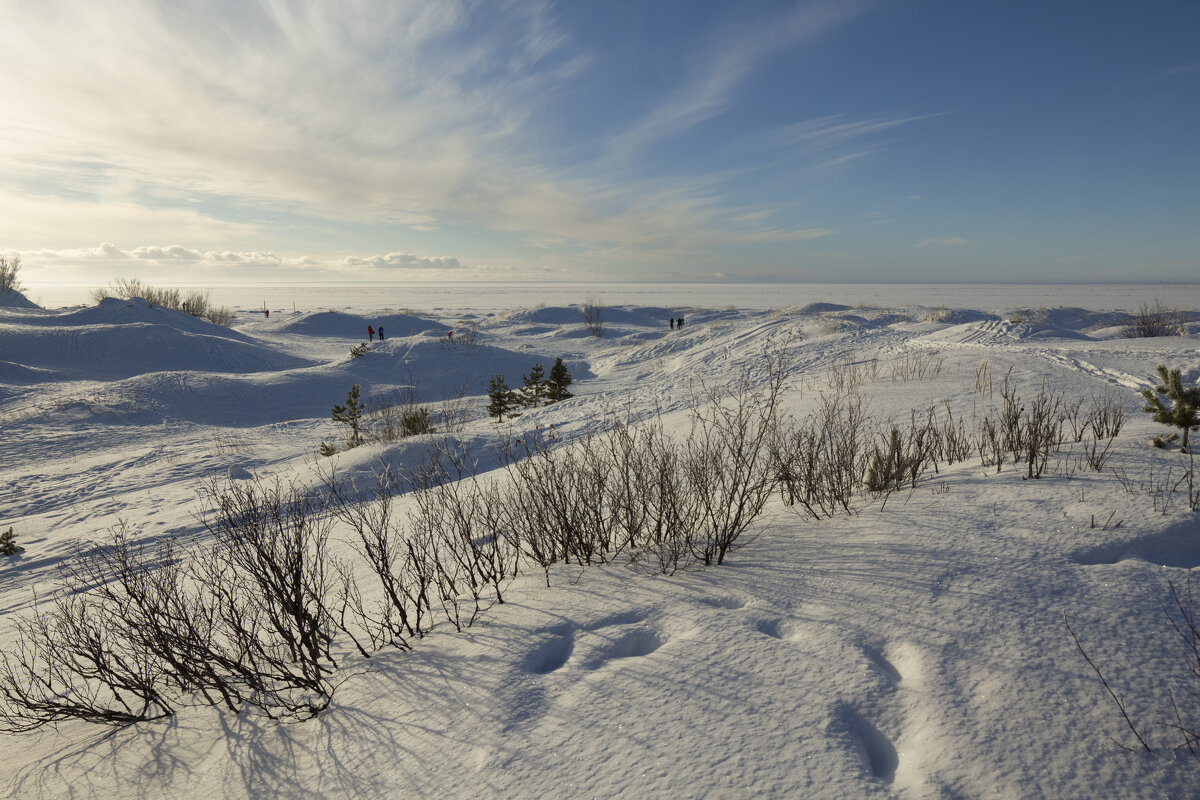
<point x="914" y="649"/>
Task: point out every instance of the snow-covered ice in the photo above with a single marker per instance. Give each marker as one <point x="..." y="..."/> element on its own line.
<point x="911" y="650"/>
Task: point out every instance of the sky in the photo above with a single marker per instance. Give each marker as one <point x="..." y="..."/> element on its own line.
<point x="600" y="140"/>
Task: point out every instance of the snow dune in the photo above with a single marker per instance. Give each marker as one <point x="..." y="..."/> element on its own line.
<point x="913" y="650"/>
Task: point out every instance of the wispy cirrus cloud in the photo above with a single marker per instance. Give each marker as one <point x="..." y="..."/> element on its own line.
<point x="1175" y="72"/>
<point x="943" y="241"/>
<point x="726" y="64"/>
<point x="823" y="133"/>
<point x="229" y="126"/>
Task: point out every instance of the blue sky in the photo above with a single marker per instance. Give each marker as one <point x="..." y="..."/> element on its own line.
<point x="378" y="140"/>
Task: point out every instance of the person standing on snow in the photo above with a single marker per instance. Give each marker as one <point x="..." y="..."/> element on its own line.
<point x="381" y="333"/>
<point x="370" y="334"/>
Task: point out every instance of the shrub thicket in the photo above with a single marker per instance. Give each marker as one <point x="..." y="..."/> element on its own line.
<point x="9" y="269"/>
<point x="195" y="303"/>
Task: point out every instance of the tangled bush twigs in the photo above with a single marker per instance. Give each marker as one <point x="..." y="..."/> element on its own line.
<point x="137" y="630"/>
<point x="1183" y="721"/>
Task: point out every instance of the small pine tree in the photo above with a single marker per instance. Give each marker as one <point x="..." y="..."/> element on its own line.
<point x="557" y="383"/>
<point x="351" y="414"/>
<point x="534" y="390"/>
<point x="502" y="399"/>
<point x="1184" y="409"/>
<point x="8" y="544"/>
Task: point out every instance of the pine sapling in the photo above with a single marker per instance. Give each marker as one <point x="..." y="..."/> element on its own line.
<point x="8" y="544"/>
<point x="534" y="391"/>
<point x="1181" y="407"/>
<point x="557" y="382"/>
<point x="502" y="400"/>
<point x="351" y="414"/>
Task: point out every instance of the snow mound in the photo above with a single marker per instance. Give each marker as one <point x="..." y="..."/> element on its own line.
<point x="114" y="351"/>
<point x="14" y="299"/>
<point x="354" y="326"/>
<point x="823" y="308"/>
<point x="958" y="316"/>
<point x="647" y="316"/>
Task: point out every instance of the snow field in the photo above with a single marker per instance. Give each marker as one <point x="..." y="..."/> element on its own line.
<point x="914" y="650"/>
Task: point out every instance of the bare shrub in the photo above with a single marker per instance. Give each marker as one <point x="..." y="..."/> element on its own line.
<point x="137" y="630"/>
<point x="1107" y="414"/>
<point x="899" y="462"/>
<point x="950" y="440"/>
<point x="220" y="316"/>
<point x="1153" y="320"/>
<point x="1040" y="431"/>
<point x="195" y="303"/>
<point x="466" y="334"/>
<point x="10" y="267"/>
<point x="269" y="576"/>
<point x="401" y="568"/>
<point x="649" y="497"/>
<point x="593" y="315"/>
<point x="1182" y="722"/>
<point x="453" y="410"/>
<point x="81" y="658"/>
<point x="820" y="462"/>
<point x="397" y="416"/>
<point x="727" y="456"/>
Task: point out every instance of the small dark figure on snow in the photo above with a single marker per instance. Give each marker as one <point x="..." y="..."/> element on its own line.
<point x="672" y="323"/>
<point x="679" y="322"/>
<point x="266" y="313"/>
<point x="381" y="333"/>
<point x="450" y="334"/>
<point x="370" y="334"/>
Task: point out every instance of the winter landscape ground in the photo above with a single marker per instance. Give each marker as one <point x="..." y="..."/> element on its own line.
<point x="912" y="646"/>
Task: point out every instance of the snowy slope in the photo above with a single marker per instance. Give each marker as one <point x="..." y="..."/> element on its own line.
<point x="914" y="649"/>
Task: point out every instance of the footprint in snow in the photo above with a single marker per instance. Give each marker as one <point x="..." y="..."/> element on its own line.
<point x="552" y="654"/>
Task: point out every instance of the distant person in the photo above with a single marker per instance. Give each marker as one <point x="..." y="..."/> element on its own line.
<point x="267" y="313"/>
<point x="381" y="333"/>
<point x="370" y="334"/>
<point x="679" y="323"/>
<point x="450" y="334"/>
<point x="672" y="323"/>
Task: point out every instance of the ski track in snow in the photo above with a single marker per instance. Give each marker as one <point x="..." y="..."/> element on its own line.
<point x="913" y="650"/>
